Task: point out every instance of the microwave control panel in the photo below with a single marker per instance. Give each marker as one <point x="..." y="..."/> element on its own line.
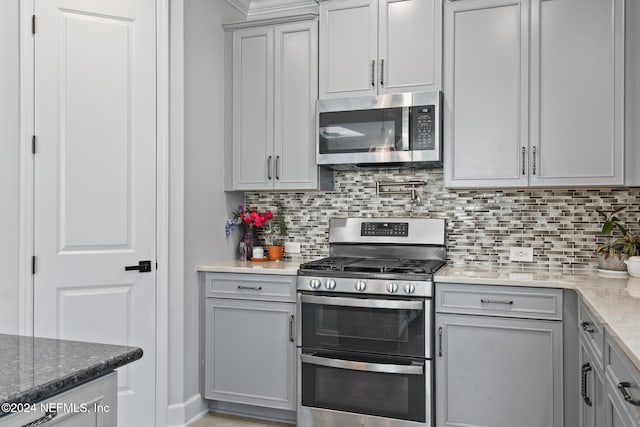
<point x="422" y="124"/>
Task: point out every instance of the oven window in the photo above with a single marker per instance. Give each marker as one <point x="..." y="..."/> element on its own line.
<point x="391" y="395"/>
<point x="390" y="331"/>
<point x="361" y="131"/>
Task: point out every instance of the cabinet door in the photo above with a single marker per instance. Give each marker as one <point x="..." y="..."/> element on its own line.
<point x="296" y="90"/>
<point x="615" y="413"/>
<point x="253" y="108"/>
<point x="495" y="372"/>
<point x="250" y="352"/>
<point x="348" y="48"/>
<point x="577" y="92"/>
<point x="591" y="387"/>
<point x="409" y="45"/>
<point x="486" y="93"/>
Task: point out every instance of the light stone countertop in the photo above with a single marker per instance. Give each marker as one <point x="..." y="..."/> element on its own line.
<point x="615" y="301"/>
<point x="285" y="268"/>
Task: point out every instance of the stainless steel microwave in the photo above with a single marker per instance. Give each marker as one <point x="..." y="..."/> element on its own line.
<point x="398" y="130"/>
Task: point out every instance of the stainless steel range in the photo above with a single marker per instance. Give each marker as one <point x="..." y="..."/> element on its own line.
<point x="364" y="339"/>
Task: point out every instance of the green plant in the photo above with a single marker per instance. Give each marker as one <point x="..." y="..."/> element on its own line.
<point x="629" y="244"/>
<point x="611" y="223"/>
<point x="277" y="230"/>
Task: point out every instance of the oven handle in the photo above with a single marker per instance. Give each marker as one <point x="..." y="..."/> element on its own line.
<point x="362" y="366"/>
<point x="366" y="303"/>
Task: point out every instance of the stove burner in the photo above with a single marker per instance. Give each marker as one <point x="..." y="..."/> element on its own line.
<point x="374" y="265"/>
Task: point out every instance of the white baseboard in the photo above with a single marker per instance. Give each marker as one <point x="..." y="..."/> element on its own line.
<point x="183" y="414"/>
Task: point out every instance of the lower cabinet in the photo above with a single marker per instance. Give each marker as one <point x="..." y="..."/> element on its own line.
<point x="592" y="389"/>
<point x="497" y="370"/>
<point x="622" y="387"/>
<point x="250" y="351"/>
<point x="93" y="404"/>
<point x="590" y="358"/>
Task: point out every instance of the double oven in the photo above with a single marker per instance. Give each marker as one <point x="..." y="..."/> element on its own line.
<point x="365" y="332"/>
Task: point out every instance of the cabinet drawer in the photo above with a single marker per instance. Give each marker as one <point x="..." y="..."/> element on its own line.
<point x="265" y="287"/>
<point x="503" y="301"/>
<point x="592" y="333"/>
<point x="619" y="369"/>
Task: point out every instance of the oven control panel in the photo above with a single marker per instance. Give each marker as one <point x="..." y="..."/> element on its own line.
<point x="384" y="229"/>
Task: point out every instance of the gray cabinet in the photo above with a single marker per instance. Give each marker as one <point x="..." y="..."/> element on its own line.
<point x="525" y="96"/>
<point x="622" y="378"/>
<point x="370" y="47"/>
<point x="93" y="404"/>
<point x="274" y="79"/>
<point x="590" y="359"/>
<point x="497" y="369"/>
<point x="249" y="354"/>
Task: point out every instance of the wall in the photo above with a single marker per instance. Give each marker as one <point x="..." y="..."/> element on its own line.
<point x="560" y="224"/>
<point x="199" y="206"/>
<point x="9" y="165"/>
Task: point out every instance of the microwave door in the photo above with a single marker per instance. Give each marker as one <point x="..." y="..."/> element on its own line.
<point x="365" y="134"/>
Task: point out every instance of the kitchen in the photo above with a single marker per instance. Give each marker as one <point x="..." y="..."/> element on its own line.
<point x="481" y="224"/>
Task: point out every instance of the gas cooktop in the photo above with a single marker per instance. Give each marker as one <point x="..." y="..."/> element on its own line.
<point x="416" y="269"/>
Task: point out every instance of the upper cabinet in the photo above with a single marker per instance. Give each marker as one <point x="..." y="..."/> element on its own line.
<point x="534" y="93"/>
<point x="370" y="47"/>
<point x="271" y="134"/>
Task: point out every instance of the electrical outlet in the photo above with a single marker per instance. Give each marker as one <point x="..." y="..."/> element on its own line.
<point x="521" y="254"/>
<point x="292" y="247"/>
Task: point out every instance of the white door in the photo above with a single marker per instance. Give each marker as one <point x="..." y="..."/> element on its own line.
<point x="95" y="183"/>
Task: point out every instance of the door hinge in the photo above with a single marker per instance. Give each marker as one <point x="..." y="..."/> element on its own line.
<point x="33" y="264"/>
<point x="33" y="24"/>
<point x="33" y="144"/>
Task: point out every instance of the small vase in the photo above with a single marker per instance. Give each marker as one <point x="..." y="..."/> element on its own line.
<point x="249" y="240"/>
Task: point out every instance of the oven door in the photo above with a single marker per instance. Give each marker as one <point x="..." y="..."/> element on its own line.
<point x="392" y="327"/>
<point x="359" y="385"/>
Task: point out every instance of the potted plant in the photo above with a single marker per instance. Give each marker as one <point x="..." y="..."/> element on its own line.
<point x="251" y="219"/>
<point x="277" y="233"/>
<point x="613" y="253"/>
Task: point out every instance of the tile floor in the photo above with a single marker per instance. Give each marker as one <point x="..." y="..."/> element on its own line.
<point x="219" y="420"/>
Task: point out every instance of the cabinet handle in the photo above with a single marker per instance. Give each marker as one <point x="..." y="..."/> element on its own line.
<point x="269" y="167"/>
<point x="524" y="159"/>
<point x="382" y="72"/>
<point x="440" y="341"/>
<point x="584" y="371"/>
<point x="277" y="167"/>
<point x="48" y="416"/>
<point x="496" y="301"/>
<point x="587" y="327"/>
<point x="249" y="288"/>
<point x="373" y="73"/>
<point x="623" y="386"/>
<point x="291" y="324"/>
<point x="534" y="159"/>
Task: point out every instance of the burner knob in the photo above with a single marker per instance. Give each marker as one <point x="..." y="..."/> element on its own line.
<point x="392" y="288"/>
<point x="361" y="285"/>
<point x="330" y="284"/>
<point x="409" y="288"/>
<point x="314" y="283"/>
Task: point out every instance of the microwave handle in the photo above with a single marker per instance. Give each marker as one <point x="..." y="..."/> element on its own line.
<point x="405" y="128"/>
<point x="384" y="368"/>
<point x="364" y="303"/>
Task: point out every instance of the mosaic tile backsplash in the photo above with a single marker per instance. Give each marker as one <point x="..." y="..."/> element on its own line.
<point x="561" y="225"/>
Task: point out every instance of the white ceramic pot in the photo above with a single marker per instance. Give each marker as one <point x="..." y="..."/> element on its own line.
<point x="633" y="266"/>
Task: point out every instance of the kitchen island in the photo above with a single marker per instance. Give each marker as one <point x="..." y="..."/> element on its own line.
<point x="42" y="379"/>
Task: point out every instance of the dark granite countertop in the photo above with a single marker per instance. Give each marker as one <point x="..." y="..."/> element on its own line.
<point x="33" y="369"/>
